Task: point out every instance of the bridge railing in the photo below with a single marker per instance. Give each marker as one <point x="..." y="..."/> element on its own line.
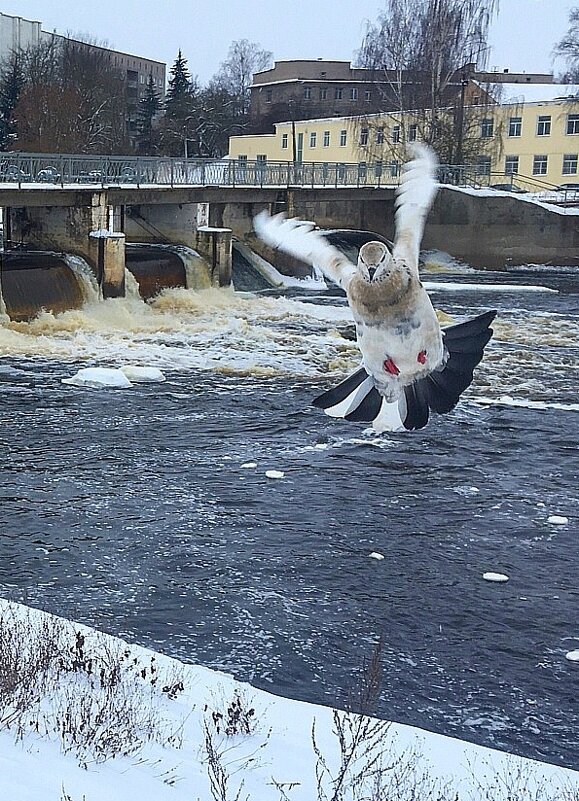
<point x="64" y="169"/>
<point x="26" y="169"/>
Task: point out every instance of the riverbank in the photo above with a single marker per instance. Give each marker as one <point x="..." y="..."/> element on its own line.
<point x="89" y="717"/>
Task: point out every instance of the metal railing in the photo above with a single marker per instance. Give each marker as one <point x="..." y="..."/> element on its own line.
<point x="32" y="169"/>
<point x="25" y="169"/>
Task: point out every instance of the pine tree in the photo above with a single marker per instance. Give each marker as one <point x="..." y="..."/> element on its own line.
<point x="181" y="110"/>
<point x="12" y="82"/>
<point x="149" y="106"/>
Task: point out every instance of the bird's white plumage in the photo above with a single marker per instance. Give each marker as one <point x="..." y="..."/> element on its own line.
<point x="414" y="198"/>
<point x="301" y="240"/>
<point x="398" y="332"/>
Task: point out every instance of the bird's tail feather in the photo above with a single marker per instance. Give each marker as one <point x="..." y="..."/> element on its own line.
<point x="356" y="398"/>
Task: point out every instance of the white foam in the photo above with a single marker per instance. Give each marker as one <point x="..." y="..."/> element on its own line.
<point x="96" y="377"/>
<point x="439" y="286"/>
<point x="507" y="400"/>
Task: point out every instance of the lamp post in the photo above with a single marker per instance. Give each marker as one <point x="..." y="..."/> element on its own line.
<point x="460" y="120"/>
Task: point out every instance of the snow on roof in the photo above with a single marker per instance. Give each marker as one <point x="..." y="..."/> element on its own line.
<point x="536" y="92"/>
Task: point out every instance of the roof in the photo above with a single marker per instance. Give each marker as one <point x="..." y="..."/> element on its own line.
<point x="535" y="93"/>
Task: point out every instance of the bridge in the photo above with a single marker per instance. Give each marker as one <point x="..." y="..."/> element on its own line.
<point x="91" y="205"/>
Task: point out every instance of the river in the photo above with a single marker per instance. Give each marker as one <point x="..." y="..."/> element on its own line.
<point x="147" y="512"/>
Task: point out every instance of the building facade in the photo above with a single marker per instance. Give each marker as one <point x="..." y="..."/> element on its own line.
<point x="302" y="89"/>
<point x="17" y="34"/>
<point x="531" y="136"/>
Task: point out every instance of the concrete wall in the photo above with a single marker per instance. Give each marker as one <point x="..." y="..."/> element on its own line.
<point x="486" y="232"/>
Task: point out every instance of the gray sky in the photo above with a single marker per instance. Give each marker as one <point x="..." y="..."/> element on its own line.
<point x="522" y="36"/>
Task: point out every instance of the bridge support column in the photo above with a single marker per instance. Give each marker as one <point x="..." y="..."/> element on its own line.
<point x="214" y="244"/>
<point x="108" y="255"/>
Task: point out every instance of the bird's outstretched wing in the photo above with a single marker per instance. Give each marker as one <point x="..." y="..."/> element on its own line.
<point x="414" y="198"/>
<point x="301" y="240"/>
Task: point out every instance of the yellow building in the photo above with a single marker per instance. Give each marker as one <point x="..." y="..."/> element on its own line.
<point x="533" y="133"/>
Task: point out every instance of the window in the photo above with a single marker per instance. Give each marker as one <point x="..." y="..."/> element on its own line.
<point x="486" y="128"/>
<point x="412" y="132"/>
<point x="323" y="94"/>
<point x="483" y="165"/>
<point x="326" y="138"/>
<point x="307" y="93"/>
<point x="573" y="123"/>
<point x="261" y="157"/>
<point x="363" y="137"/>
<point x="353" y="93"/>
<point x="540" y="165"/>
<point x="379" y="136"/>
<point x="284" y="141"/>
<point x="338" y="93"/>
<point x="544" y="125"/>
<point x="511" y="165"/>
<point x="242" y="159"/>
<point x="313" y="137"/>
<point x="362" y="170"/>
<point x="395" y="134"/>
<point x="475" y="100"/>
<point x="343" y="138"/>
<point x="367" y="95"/>
<point x="570" y="164"/>
<point x="268" y="95"/>
<point x="394" y="169"/>
<point x="378" y="169"/>
<point x="515" y="126"/>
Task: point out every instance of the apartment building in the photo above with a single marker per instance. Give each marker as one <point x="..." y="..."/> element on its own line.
<point x="311" y="89"/>
<point x="531" y="131"/>
<point x="17" y="33"/>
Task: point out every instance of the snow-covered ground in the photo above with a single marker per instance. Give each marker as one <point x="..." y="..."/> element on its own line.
<point x="114" y="722"/>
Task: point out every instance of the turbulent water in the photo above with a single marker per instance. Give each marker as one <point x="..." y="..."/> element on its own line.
<point x="147" y="512"/>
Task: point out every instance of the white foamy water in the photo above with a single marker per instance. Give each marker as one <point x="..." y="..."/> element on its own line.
<point x="225" y="332"/>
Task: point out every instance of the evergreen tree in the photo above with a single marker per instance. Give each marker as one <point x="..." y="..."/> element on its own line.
<point x="181" y="110"/>
<point x="149" y="106"/>
<point x="12" y="82"/>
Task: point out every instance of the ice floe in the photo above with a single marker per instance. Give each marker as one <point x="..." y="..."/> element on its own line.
<point x="498" y="578"/>
<point x="572" y="656"/>
<point x="376" y="555"/>
<point x="99" y="377"/>
<point x="274" y="473"/>
<point x="142" y="374"/>
<point x="558" y="520"/>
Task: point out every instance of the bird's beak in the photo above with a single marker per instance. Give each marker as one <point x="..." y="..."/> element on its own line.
<point x="371" y="272"/>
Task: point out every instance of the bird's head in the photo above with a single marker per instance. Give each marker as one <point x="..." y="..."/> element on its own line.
<point x="374" y="262"/>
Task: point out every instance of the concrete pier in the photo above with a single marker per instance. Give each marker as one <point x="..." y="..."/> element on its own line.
<point x="107" y="253"/>
<point x="214" y="244"/>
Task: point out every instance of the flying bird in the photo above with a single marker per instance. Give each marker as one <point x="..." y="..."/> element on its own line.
<point x="410" y="366"/>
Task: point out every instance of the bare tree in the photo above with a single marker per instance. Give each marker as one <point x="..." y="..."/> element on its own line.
<point x="236" y="73"/>
<point x="568" y="48"/>
<point x="423" y="54"/>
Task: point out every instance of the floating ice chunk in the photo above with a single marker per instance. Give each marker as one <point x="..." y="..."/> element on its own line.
<point x="572" y="656"/>
<point x="99" y="377"/>
<point x="376" y="555"/>
<point x="321" y="446"/>
<point x="142" y="374"/>
<point x="557" y="520"/>
<point x="249" y="464"/>
<point x="499" y="578"/>
<point x="274" y="473"/>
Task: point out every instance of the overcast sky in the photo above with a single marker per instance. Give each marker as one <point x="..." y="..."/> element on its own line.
<point x="522" y="36"/>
